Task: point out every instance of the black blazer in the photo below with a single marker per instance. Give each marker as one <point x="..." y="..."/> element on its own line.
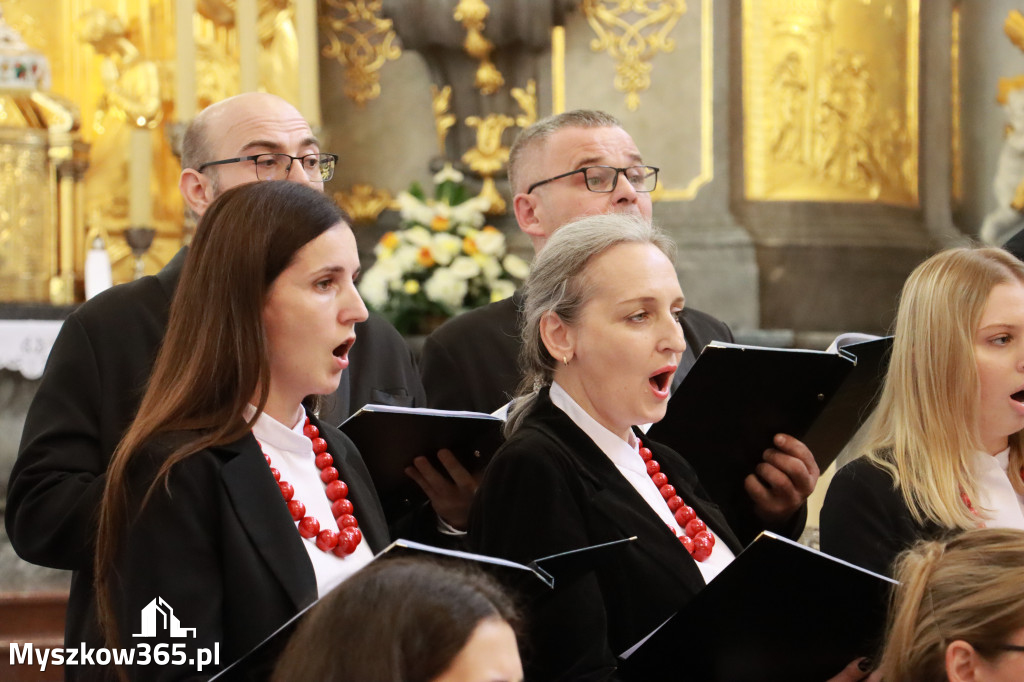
<point x="471" y="362"/>
<point x="865" y="521"/>
<point x="550" y="489"/>
<point x="220" y="548"/>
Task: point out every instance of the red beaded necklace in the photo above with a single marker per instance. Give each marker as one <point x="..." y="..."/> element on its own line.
<point x="343" y="541"/>
<point x="697" y="539"/>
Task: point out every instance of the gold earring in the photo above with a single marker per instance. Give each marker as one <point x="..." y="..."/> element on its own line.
<point x="564" y="361"/>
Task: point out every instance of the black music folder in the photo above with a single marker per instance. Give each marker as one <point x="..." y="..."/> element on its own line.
<point x="527" y="579"/>
<point x="390" y="437"/>
<point x="779" y="611"/>
<point x="728" y="408"/>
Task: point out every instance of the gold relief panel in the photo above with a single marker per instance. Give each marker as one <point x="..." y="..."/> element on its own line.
<point x="830" y="92"/>
<point x="677" y="60"/>
<point x="27" y="254"/>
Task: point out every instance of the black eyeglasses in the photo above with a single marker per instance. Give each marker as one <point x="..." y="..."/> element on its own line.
<point x="604" y="178"/>
<point x="276" y="166"/>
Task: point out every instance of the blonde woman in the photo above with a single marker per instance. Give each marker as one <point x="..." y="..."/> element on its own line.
<point x="958" y="614"/>
<point x="944" y="450"/>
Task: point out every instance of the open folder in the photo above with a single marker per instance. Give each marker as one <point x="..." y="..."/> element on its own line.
<point x="779" y="611"/>
<point x="390" y="437"/>
<point x="728" y="408"/>
<point x="528" y="579"/>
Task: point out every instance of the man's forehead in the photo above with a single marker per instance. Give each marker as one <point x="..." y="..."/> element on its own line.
<point x="583" y="143"/>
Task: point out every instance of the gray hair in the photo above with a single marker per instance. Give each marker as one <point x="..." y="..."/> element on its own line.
<point x="558" y="284"/>
<point x="530" y="137"/>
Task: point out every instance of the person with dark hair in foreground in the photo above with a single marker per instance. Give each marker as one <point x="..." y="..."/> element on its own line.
<point x="407" y="620"/>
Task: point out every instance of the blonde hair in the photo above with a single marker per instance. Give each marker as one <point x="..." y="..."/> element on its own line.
<point x="968" y="588"/>
<point x="925" y="428"/>
<point x="558" y="284"/>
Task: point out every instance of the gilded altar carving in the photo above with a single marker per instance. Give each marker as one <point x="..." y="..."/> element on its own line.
<point x="830" y="100"/>
<point x="364" y="203"/>
<point x="362" y="41"/>
<point x="472" y="15"/>
<point x="632" y="32"/>
<point x="441" y="101"/>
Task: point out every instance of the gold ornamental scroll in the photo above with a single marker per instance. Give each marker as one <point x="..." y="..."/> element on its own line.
<point x="680" y="81"/>
<point x="830" y="93"/>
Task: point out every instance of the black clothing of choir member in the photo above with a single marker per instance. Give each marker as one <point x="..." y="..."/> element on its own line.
<point x="552" y="478"/>
<point x="864" y="519"/>
<point x="1015" y="245"/>
<point x="95" y="376"/>
<point x="472" y="361"/>
<point x="218" y="522"/>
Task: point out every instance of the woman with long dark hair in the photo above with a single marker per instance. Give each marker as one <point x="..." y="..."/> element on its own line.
<point x="228" y="505"/>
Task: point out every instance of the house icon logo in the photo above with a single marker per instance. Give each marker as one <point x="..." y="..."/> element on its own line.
<point x="158" y="615"/>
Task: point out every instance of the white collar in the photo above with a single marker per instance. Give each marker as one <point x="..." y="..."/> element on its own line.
<point x="622" y="453"/>
<point x="269" y="430"/>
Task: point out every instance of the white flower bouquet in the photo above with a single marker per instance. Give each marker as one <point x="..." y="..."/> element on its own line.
<point x="443" y="261"/>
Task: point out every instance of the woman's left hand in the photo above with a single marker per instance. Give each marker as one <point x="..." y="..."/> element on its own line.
<point x="452" y="498"/>
<point x="782" y="482"/>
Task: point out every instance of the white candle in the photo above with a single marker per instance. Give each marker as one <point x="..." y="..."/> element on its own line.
<point x="308" y="74"/>
<point x="246" y="17"/>
<point x="140" y="201"/>
<point x="185" y="61"/>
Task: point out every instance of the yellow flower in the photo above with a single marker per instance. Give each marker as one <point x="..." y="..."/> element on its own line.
<point x="424" y="257"/>
<point x="490" y="228"/>
<point x="439" y="223"/>
<point x="469" y="246"/>
<point x="411" y="287"/>
<point x="390" y="240"/>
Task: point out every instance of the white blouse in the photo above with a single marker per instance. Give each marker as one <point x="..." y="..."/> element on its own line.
<point x="626" y="458"/>
<point x="291" y="453"/>
<point x="1000" y="505"/>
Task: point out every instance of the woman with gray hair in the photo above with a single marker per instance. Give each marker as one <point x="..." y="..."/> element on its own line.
<point x="602" y="341"/>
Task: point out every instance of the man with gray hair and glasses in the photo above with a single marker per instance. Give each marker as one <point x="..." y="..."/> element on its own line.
<point x="561" y="168"/>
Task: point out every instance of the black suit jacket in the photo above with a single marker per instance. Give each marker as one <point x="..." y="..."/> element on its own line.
<point x="550" y="489"/>
<point x="472" y="361"/>
<point x="95" y="376"/>
<point x="220" y="548"/>
<point x="1015" y="245"/>
<point x="865" y="521"/>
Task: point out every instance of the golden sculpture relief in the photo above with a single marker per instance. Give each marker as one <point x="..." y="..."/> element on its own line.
<point x="443" y="118"/>
<point x="633" y="43"/>
<point x="364" y="203"/>
<point x="472" y="14"/>
<point x="827" y="116"/>
<point x="362" y="41"/>
<point x="526" y="98"/>
<point x="489" y="155"/>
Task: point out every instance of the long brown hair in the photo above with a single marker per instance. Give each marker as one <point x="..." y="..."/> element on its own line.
<point x="214" y="355"/>
<point x="924" y="431"/>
